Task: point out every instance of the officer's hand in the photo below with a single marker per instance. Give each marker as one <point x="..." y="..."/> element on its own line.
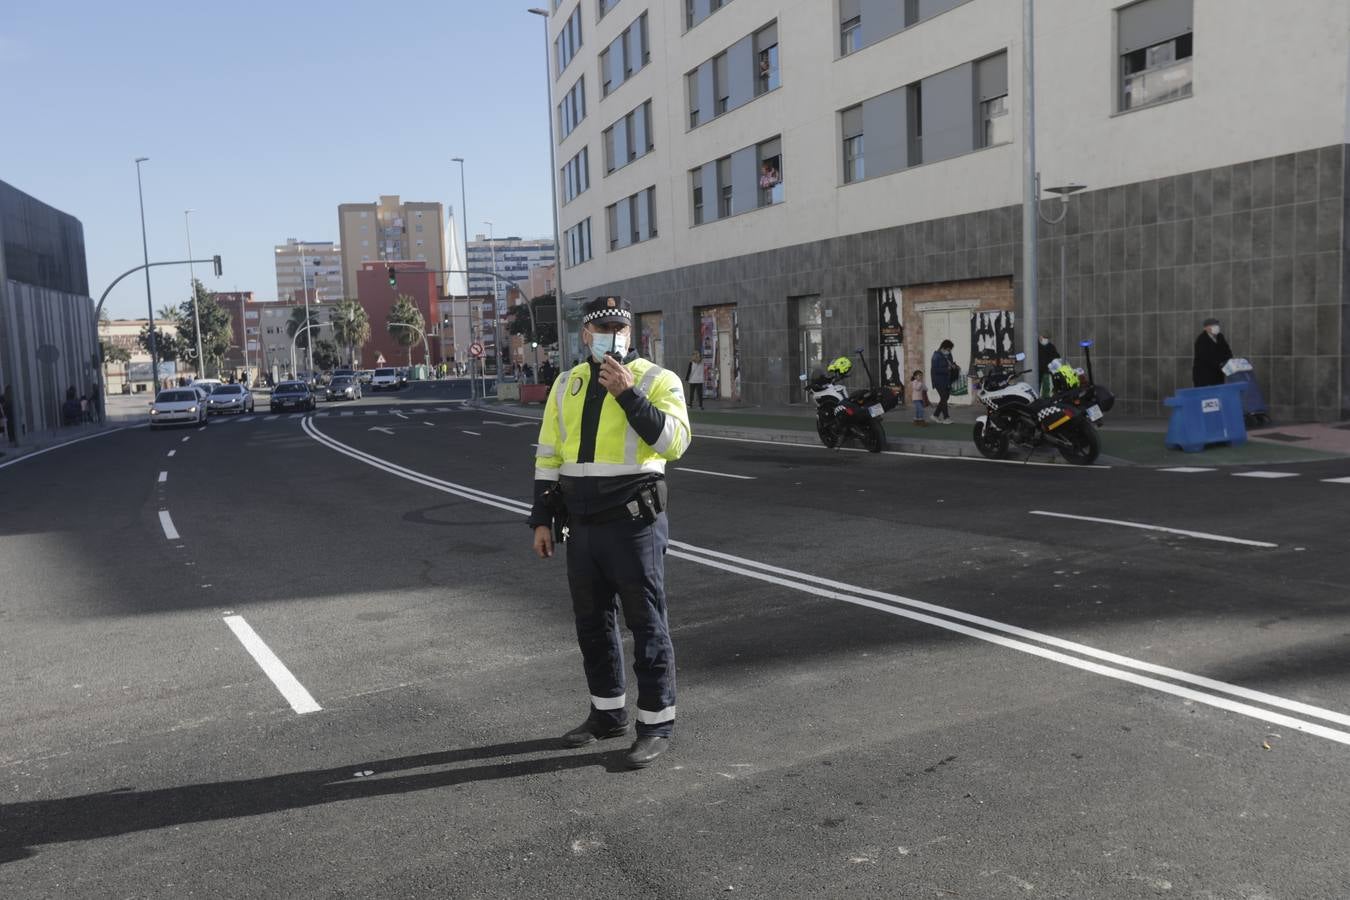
<point x="543" y="541"/>
<point x="615" y="376"/>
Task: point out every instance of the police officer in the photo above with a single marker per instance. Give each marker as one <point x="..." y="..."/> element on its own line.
<point x="611" y="424"/>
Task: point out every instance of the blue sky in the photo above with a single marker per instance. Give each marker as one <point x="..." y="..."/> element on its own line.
<point x="263" y="117"/>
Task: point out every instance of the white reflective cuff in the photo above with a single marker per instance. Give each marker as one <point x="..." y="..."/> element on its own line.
<point x="655" y="718"/>
<point x="542" y="474"/>
<point x="667" y="435"/>
<point x="611" y="703"/>
<point x="546" y="450"/>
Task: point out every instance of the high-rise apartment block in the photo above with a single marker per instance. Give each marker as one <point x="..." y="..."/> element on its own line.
<point x="512" y="257"/>
<point x="777" y="183"/>
<point x="389" y="231"/>
<point x="313" y="266"/>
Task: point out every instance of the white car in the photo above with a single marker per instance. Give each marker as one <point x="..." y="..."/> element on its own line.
<point x="176" y="406"/>
<point x="230" y="398"/>
<point x="385" y="380"/>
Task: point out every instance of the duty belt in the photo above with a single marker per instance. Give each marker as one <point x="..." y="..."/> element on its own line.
<point x="646" y="504"/>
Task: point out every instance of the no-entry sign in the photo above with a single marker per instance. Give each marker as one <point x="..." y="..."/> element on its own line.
<point x="476" y="350"/>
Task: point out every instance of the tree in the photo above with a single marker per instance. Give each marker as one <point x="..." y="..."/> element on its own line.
<point x="404" y="313"/>
<point x="296" y="323"/>
<point x="217" y="330"/>
<point x="168" y="313"/>
<point x="351" y="327"/>
<point x="170" y="348"/>
<point x="114" y="353"/>
<point x="326" y="354"/>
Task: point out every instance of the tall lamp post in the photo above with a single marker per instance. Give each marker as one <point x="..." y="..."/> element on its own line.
<point x="552" y="190"/>
<point x="496" y="300"/>
<point x="304" y="287"/>
<point x="149" y="304"/>
<point x="464" y="227"/>
<point x="192" y="281"/>
<point x="1063" y="191"/>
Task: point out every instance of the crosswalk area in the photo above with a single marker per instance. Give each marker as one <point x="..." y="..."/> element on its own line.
<point x="1260" y="474"/>
<point x="398" y="411"/>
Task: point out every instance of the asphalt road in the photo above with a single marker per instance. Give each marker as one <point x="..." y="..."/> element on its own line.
<point x="897" y="676"/>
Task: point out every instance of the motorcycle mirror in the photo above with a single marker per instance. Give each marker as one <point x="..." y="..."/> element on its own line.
<point x="801" y="377"/>
<point x="859" y="351"/>
<point x="1087" y="343"/>
<point x="1020" y="356"/>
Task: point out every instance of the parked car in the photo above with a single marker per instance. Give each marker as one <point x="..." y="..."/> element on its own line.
<point x="365" y="375"/>
<point x="385" y="380"/>
<point x="233" y="398"/>
<point x="344" y="387"/>
<point x="206" y="384"/>
<point x="177" y="406"/>
<point x="293" y="395"/>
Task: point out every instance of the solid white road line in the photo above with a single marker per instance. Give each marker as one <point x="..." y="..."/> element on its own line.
<point x="1337" y="480"/>
<point x="1265" y="474"/>
<point x="425" y="422"/>
<point x="906" y="453"/>
<point x="371" y="412"/>
<point x="852" y="594"/>
<point x="290" y="688"/>
<point x="88" y="437"/>
<point x="1187" y="469"/>
<point x="166" y="522"/>
<point x="248" y="418"/>
<point x="163" y="477"/>
<point x="1201" y="535"/>
<point x="718" y="474"/>
<point x="296" y="416"/>
<point x="171" y="453"/>
<point x="474" y="433"/>
<point x="400" y="415"/>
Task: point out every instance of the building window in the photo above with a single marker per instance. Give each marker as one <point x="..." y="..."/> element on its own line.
<point x="632" y="220"/>
<point x="626" y="55"/>
<point x="578" y="243"/>
<point x="696" y="11"/>
<point x="850" y="36"/>
<point x="991" y="91"/>
<point x="418" y="227"/>
<point x="997" y="123"/>
<point x="568" y="42"/>
<point x="604" y="6"/>
<point x="770" y="156"/>
<point x="852" y="121"/>
<point x="1155" y="52"/>
<point x="572" y="109"/>
<point x="696" y="179"/>
<point x="721" y="84"/>
<point x="691" y="88"/>
<point x="767" y="76"/>
<point x="576" y="176"/>
<point x="724" y="187"/>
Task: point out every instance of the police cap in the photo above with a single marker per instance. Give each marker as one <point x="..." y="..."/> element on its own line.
<point x="607" y="309"/>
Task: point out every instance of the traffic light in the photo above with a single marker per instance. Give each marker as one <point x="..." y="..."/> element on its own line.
<point x="445" y="321"/>
<point x="393" y="277"/>
<point x="215" y="261"/>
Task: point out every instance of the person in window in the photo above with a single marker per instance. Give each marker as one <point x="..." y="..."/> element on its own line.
<point x="768" y="174"/>
<point x="1211" y="352"/>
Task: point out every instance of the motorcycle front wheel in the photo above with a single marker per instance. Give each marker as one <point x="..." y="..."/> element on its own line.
<point x="1082" y="445"/>
<point x="873" y="437"/>
<point x="992" y="444"/>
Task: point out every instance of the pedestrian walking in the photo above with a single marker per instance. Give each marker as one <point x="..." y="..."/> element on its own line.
<point x="1211" y="352"/>
<point x="918" y="394"/>
<point x="600" y="469"/>
<point x="944" y="371"/>
<point x="694" y="377"/>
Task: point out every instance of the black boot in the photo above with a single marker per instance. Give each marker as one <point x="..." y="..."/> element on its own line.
<point x="645" y="750"/>
<point x="592" y="730"/>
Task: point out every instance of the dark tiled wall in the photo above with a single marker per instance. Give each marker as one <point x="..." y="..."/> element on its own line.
<point x="1261" y="245"/>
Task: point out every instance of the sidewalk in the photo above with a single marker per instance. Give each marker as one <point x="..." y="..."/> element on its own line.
<point x="1126" y="441"/>
<point x="121" y="412"/>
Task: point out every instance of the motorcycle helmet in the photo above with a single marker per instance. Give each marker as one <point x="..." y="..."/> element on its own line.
<point x="841" y="366"/>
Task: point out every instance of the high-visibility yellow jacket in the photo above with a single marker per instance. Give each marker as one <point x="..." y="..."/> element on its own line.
<point x="634" y="434"/>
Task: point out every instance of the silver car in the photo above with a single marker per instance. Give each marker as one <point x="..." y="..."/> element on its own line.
<point x="344" y="387"/>
<point x="233" y="398"/>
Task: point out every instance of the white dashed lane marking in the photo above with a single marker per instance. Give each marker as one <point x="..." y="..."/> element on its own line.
<point x="163" y="477"/>
<point x="166" y="522"/>
<point x="1265" y="474"/>
<point x="1187" y="469"/>
<point x="1201" y="535"/>
<point x="1337" y="480"/>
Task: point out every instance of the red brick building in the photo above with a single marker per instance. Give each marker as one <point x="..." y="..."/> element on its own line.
<point x="416" y="282"/>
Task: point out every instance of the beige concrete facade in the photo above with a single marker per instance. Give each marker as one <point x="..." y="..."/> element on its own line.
<point x="392" y="230"/>
<point x="321" y="262"/>
<point x="123" y="333"/>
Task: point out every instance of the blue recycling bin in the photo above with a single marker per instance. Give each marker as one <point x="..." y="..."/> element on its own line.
<point x="1207" y="415"/>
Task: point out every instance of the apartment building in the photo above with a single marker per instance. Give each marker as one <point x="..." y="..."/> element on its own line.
<point x="778" y="183"/>
<point x="278" y="351"/>
<point x="313" y="266"/>
<point x="389" y="231"/>
<point x="512" y="258"/>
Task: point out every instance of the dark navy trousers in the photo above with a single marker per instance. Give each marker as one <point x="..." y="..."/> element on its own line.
<point x="615" y="564"/>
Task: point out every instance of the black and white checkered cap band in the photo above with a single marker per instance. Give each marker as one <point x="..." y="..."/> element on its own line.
<point x="616" y="313"/>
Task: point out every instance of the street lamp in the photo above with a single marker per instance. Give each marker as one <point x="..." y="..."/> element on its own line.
<point x="304" y="287"/>
<point x="464" y="227"/>
<point x="149" y="304"/>
<point x="496" y="300"/>
<point x="552" y="190"/>
<point x="1063" y="191"/>
<point x="192" y="281"/>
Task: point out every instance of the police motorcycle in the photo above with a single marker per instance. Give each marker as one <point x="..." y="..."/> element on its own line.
<point x="1018" y="415"/>
<point x="1078" y="387"/>
<point x="843" y="415"/>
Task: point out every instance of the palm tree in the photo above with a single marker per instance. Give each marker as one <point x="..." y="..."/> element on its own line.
<point x="403" y="314"/>
<point x="351" y="327"/>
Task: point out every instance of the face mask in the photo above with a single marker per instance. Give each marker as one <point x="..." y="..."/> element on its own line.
<point x="1214" y="330"/>
<point x="602" y="343"/>
<point x="1045" y="341"/>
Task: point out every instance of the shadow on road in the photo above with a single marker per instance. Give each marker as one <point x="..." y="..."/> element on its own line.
<point x="24" y="826"/>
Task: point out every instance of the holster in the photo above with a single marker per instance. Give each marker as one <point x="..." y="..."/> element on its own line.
<point x="557" y="508"/>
